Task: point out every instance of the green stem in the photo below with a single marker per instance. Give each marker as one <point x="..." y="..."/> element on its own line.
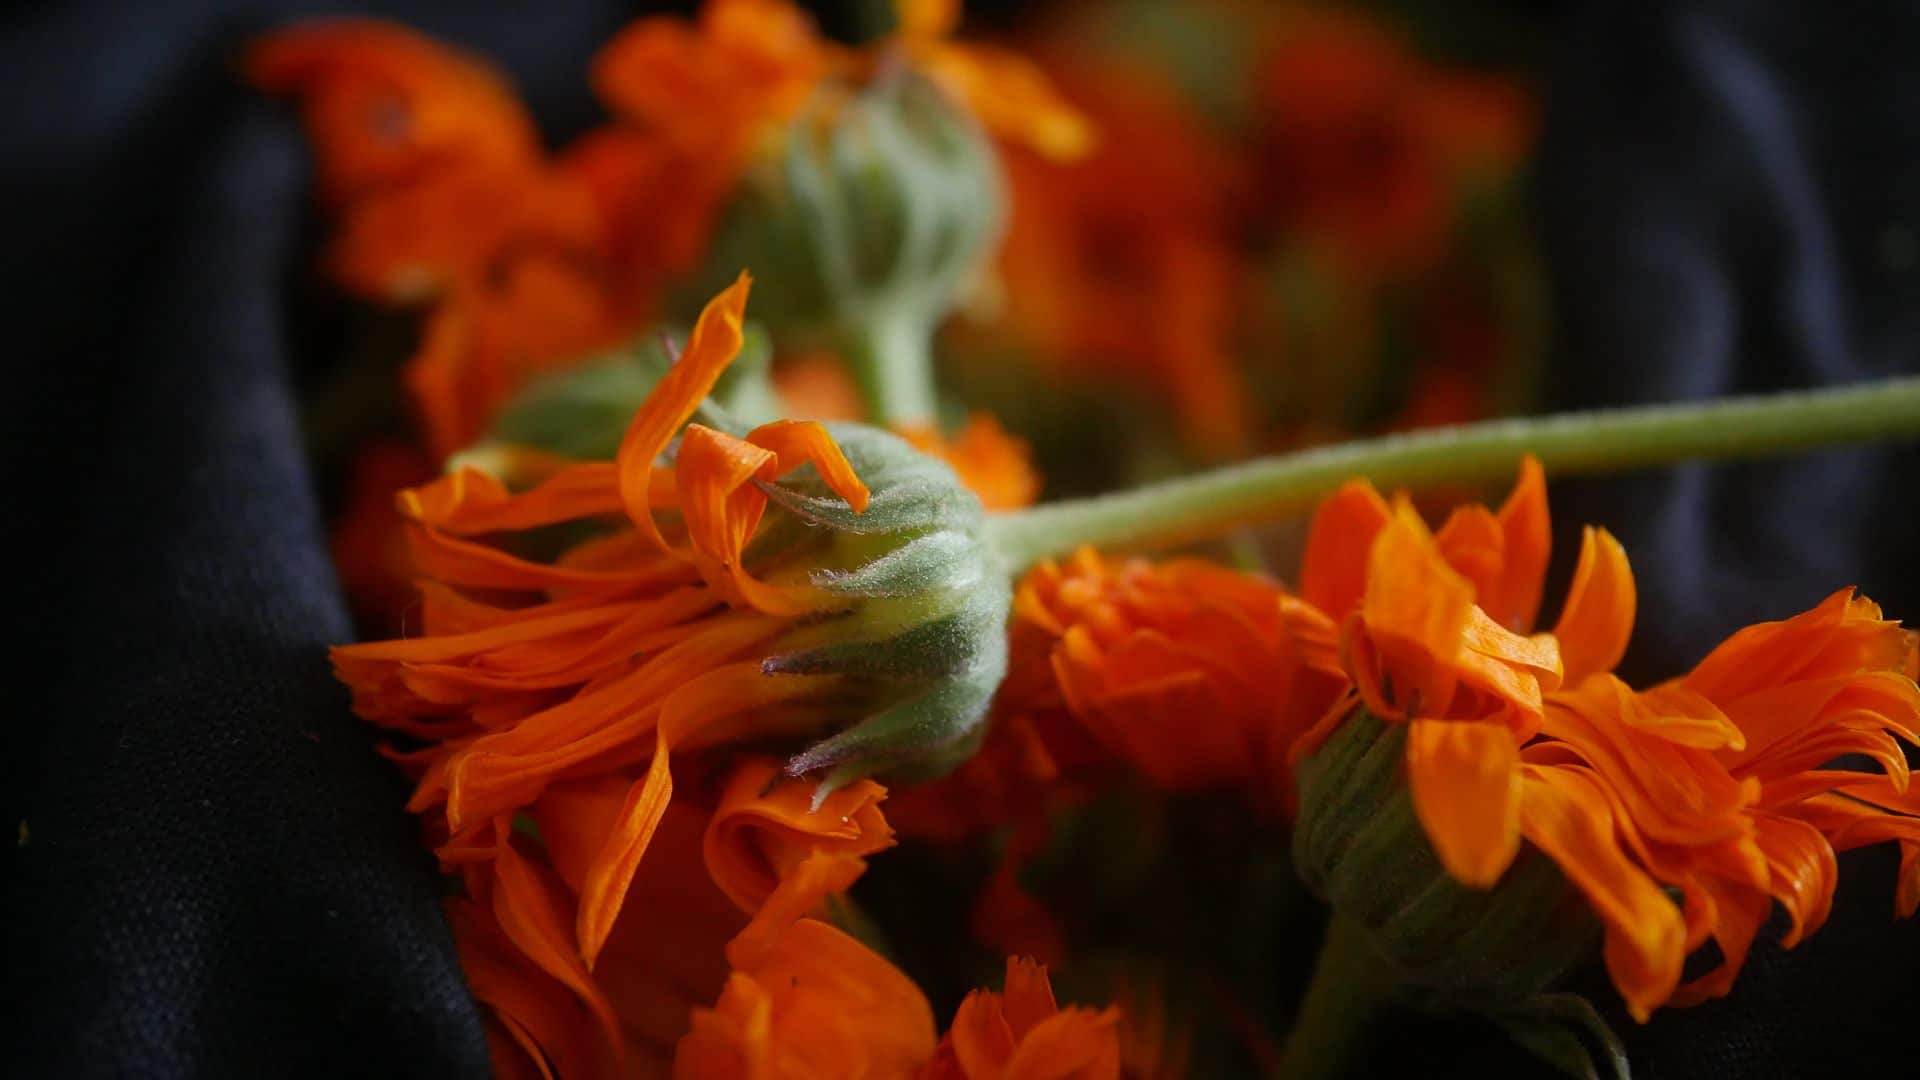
<point x="1351" y="982"/>
<point x="892" y="360"/>
<point x="1212" y="503"/>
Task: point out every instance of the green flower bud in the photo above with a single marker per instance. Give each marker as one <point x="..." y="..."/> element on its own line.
<point x="1432" y="943"/>
<point x="863" y="231"/>
<point x="923" y="642"/>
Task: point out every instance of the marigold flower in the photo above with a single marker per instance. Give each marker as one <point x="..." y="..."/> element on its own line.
<point x="385" y="106"/>
<point x="718" y="85"/>
<point x="454" y="204"/>
<point x="1711" y="785"/>
<point x="657" y="632"/>
<point x="1189" y="673"/>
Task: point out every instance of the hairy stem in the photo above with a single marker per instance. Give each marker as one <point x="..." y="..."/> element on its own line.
<point x="1213" y="503"/>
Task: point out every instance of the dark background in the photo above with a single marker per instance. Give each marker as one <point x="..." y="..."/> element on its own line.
<point x="214" y="875"/>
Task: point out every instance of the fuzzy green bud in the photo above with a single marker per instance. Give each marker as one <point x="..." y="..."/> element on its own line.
<point x="923" y="639"/>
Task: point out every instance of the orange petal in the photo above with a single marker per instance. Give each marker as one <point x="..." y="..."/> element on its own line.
<point x="1333" y="572"/>
<point x="1528" y="533"/>
<point x="1465" y="781"/>
<point x="712" y="345"/>
<point x="803" y="442"/>
<point x="1597" y="621"/>
<point x="1567" y="815"/>
<point x="613" y="868"/>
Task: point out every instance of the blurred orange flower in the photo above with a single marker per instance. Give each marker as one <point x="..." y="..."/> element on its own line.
<point x="1124" y="261"/>
<point x="990" y="463"/>
<point x="386" y="106"/>
<point x="1369" y="145"/>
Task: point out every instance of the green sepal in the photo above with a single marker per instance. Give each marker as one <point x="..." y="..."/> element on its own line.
<point x="1360" y="846"/>
<point x="1565" y="1031"/>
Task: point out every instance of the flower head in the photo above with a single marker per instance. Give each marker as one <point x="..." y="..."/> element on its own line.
<point x="584" y="621"/>
<point x="1718" y="788"/>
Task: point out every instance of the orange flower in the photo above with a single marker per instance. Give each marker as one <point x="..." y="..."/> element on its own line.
<point x="1022" y="1034"/>
<point x="1369" y="143"/>
<point x="715" y="87"/>
<point x="1008" y="93"/>
<point x="1726" y="785"/>
<point x="1125" y="260"/>
<point x="990" y="463"/>
<point x="1710" y="785"/>
<point x="386" y="106"/>
<point x="631" y="643"/>
<point x="1190" y="673"/>
<point x="1428" y="638"/>
<point x="453" y="204"/>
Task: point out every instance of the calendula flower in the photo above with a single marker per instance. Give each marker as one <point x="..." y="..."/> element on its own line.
<point x="1678" y="813"/>
<point x="453" y="206"/>
<point x="678" y="604"/>
<point x="1021" y="1033"/>
<point x="1729" y="784"/>
<point x="1189" y="673"/>
<point x="386" y="106"/>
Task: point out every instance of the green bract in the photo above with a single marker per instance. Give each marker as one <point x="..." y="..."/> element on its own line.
<point x="1441" y="945"/>
<point x="923" y="641"/>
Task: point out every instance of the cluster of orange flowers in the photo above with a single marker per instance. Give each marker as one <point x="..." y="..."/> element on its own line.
<point x="1245" y="258"/>
<point x="1723" y="784"/>
<point x="524" y="262"/>
<point x="610" y="661"/>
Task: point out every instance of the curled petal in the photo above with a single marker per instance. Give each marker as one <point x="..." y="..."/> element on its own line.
<point x="1597" y="620"/>
<point x="1567" y="815"/>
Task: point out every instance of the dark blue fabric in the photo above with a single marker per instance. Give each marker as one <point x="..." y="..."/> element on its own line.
<point x="215" y="876"/>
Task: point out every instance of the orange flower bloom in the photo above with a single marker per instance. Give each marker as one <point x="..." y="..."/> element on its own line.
<point x="1717" y="785"/>
<point x="386" y="106"/>
<point x="629" y="644"/>
<point x="1369" y="144"/>
<point x="453" y="204"/>
<point x="1190" y="673"/>
<point x="990" y="463"/>
<point x="1022" y="1034"/>
<point x="1421" y="650"/>
<point x="1125" y="259"/>
<point x="1710" y="784"/>
<point x="715" y="87"/>
<point x="815" y="1003"/>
